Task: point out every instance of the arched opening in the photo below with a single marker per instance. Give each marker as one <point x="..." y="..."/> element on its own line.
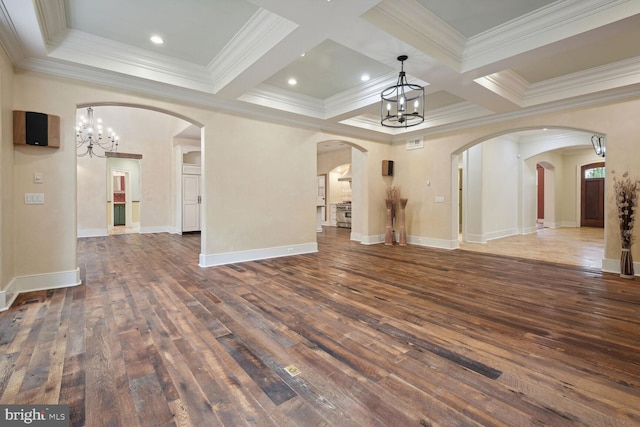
<point x="515" y="184"/>
<point x="142" y="181"/>
<point x="340" y="168"/>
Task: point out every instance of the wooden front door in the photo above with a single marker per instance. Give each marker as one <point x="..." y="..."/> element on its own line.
<point x="592" y="198"/>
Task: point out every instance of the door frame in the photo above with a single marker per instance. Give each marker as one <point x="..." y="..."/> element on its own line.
<point x="582" y="184"/>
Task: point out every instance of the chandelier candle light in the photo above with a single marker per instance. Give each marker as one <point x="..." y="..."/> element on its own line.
<point x="402" y="105"/>
<point x="89" y="133"/>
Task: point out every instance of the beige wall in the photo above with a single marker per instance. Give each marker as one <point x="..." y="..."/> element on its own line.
<point x="45" y="235"/>
<point x="7" y="231"/>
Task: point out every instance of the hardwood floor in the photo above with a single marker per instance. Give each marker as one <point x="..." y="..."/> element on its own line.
<point x="582" y="246"/>
<point x="373" y="335"/>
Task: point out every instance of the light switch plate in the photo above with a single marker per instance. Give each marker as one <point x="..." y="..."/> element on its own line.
<point x="439" y="199"/>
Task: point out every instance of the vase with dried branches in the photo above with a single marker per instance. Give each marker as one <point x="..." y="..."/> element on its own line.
<point x="626" y="194"/>
<point x="393" y="193"/>
<point x="401" y="223"/>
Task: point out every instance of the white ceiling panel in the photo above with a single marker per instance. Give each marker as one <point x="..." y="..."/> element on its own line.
<point x="193" y="30"/>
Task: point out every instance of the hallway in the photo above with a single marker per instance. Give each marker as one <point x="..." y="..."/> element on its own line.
<point x="582" y="246"/>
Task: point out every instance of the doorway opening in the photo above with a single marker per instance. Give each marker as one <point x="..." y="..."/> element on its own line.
<point x="521" y="186"/>
<point x="124" y="214"/>
<point x="592" y="195"/>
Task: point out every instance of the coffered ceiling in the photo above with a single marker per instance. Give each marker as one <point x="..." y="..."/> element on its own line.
<point x="479" y="60"/>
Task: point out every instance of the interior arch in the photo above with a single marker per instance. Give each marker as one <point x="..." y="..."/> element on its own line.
<point x="494" y="182"/>
<point x="157" y="144"/>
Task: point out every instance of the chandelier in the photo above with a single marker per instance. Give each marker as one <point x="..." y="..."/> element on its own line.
<point x="598" y="145"/>
<point x="89" y="137"/>
<point x="402" y="105"/>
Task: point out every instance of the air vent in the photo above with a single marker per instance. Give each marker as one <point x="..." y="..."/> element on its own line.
<point x="413" y="144"/>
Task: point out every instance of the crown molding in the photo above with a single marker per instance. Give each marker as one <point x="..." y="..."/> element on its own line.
<point x="53" y="21"/>
<point x="598" y="79"/>
<point x="419" y="27"/>
<point x="263" y="31"/>
<point x="9" y="36"/>
<point x="601" y="98"/>
<point x="283" y="100"/>
<point x="77" y="46"/>
<point x="549" y="24"/>
<point x="507" y="84"/>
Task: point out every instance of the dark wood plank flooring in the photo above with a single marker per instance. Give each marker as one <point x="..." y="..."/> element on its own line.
<point x="372" y="335"/>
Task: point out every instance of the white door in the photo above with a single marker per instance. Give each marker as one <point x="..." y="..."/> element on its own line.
<point x="322" y="192"/>
<point x="191" y="202"/>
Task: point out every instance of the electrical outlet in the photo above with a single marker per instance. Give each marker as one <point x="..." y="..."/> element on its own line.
<point x="34" y="198"/>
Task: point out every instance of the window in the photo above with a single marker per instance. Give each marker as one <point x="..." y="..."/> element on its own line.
<point x="598" y="172"/>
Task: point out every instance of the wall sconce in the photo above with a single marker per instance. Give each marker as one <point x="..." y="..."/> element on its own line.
<point x="598" y="142"/>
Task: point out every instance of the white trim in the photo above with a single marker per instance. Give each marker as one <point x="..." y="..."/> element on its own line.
<point x="93" y="232"/>
<point x="212" y="260"/>
<point x="38" y="282"/>
<point x="501" y="234"/>
<point x="613" y="266"/>
<point x="372" y="240"/>
<point x="433" y="243"/>
<point x="160" y="229"/>
<point x="528" y="230"/>
<point x="259" y="35"/>
<point x="474" y="238"/>
<point x="542" y="27"/>
<point x="406" y="20"/>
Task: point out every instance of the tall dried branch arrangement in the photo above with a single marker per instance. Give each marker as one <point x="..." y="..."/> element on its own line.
<point x="393" y="193"/>
<point x="626" y="193"/>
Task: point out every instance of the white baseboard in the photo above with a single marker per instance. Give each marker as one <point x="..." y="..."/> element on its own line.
<point x="613" y="266"/>
<point x="433" y="243"/>
<point x="38" y="282"/>
<point x="95" y="232"/>
<point x="371" y="240"/>
<point x="160" y="229"/>
<point x="501" y="234"/>
<point x="212" y="260"/>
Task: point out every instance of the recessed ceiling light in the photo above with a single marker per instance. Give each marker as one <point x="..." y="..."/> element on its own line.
<point x="156" y="39"/>
<point x="293" y="81"/>
<point x="365" y="77"/>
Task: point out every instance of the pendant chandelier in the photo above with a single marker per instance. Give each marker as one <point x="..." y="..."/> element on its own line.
<point x="598" y="145"/>
<point x="402" y="105"/>
<point x="89" y="137"/>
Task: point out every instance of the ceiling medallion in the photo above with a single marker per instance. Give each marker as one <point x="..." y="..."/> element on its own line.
<point x="402" y="105"/>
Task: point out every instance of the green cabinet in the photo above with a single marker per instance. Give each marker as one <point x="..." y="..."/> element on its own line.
<point x="119" y="215"/>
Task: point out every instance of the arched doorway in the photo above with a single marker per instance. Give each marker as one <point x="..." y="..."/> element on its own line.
<point x="156" y="200"/>
<point x="501" y="188"/>
<point x="341" y="165"/>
